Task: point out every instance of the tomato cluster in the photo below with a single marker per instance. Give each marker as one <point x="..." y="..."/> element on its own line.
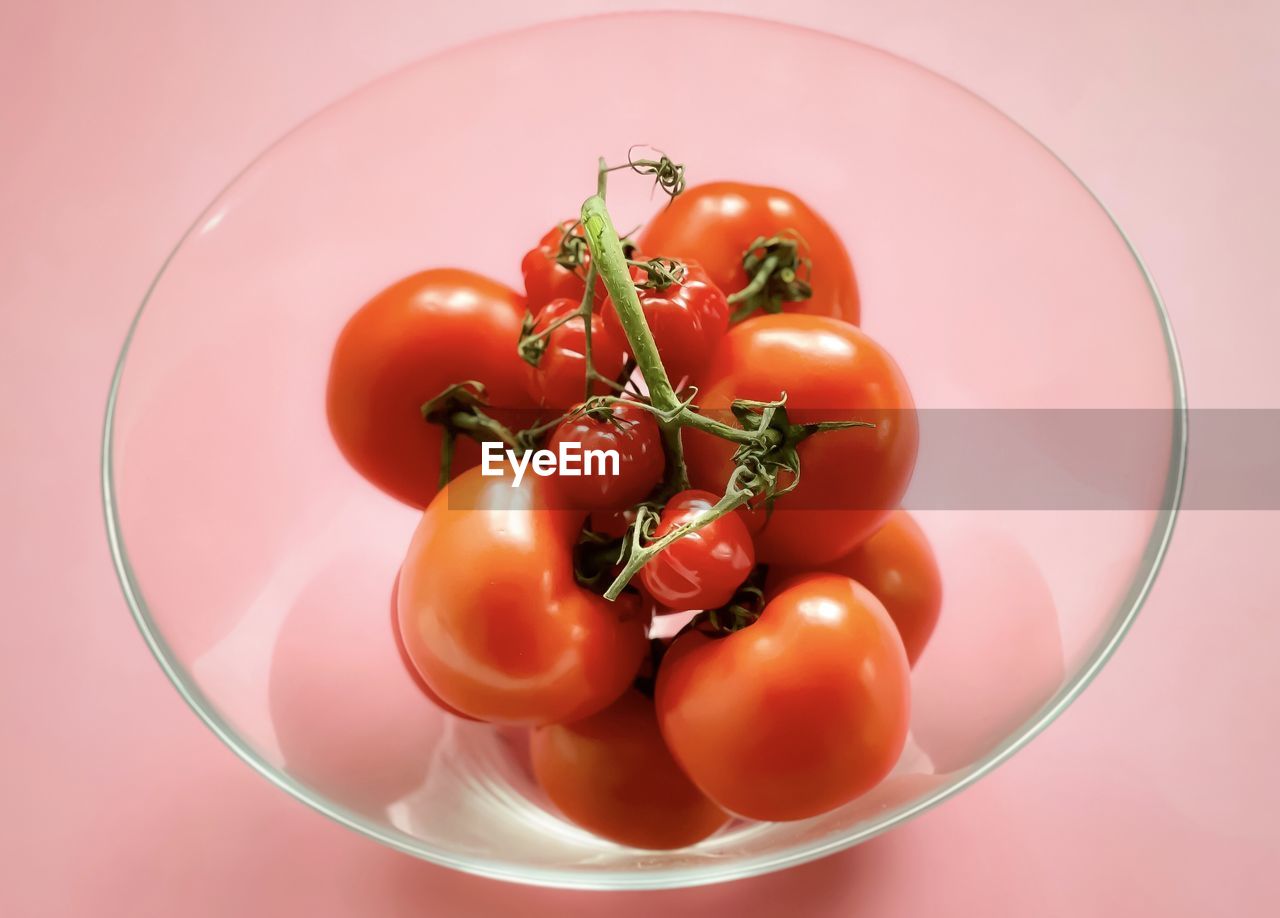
<point x="762" y="443"/>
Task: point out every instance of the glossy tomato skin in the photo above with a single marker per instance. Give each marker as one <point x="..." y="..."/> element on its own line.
<point x="612" y="774"/>
<point x="898" y="566"/>
<point x="559" y="379"/>
<point x="404" y="347"/>
<point x="715" y="223"/>
<point x="797" y="713"/>
<point x="630" y="431"/>
<point x="851" y="479"/>
<point x="687" y="320"/>
<point x="492" y="616"/>
<point x="544" y="278"/>
<point x="703" y="569"/>
<point x="408" y="664"/>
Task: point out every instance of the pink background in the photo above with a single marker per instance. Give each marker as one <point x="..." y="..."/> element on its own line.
<point x="1154" y="794"/>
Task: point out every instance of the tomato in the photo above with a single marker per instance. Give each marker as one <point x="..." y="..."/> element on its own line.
<point x="716" y="223"/>
<point x="408" y="664"/>
<point x="559" y="379"/>
<point x="851" y="479"/>
<point x="611" y="773"/>
<point x="687" y="320"/>
<point x="492" y="616"/>
<point x="630" y="431"/>
<point x="402" y="348"/>
<point x="546" y="279"/>
<point x="897" y="565"/>
<point x="795" y="714"/>
<point x="703" y="569"/>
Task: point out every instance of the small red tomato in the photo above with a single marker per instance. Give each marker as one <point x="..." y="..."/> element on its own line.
<point x="703" y="569"/>
<point x="687" y="319"/>
<point x="408" y="664"/>
<point x="545" y="278"/>
<point x="795" y="714"/>
<point x="559" y="380"/>
<point x="611" y="773"/>
<point x="716" y="223"/>
<point x="633" y="434"/>
<point x="404" y="347"/>
<point x="898" y="566"/>
<point x="493" y="617"/>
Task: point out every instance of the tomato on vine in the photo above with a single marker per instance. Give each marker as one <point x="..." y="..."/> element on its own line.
<point x="401" y="349"/>
<point x="850" y="480"/>
<point x="801" y="267"/>
<point x="558" y="377"/>
<point x="796" y="713"/>
<point x="703" y="569"/>
<point x="625" y="429"/>
<point x="612" y="774"/>
<point x="687" y="318"/>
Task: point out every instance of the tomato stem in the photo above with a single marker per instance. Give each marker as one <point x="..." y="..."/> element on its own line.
<point x="736" y="495"/>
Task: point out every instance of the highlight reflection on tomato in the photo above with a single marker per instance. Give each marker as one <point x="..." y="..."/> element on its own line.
<point x="492" y="616"/>
<point x="795" y="714"/>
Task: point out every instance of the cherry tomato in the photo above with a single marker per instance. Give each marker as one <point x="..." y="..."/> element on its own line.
<point x="408" y="664"/>
<point x="492" y="616"/>
<point x="795" y="714"/>
<point x="628" y="430"/>
<point x="611" y="773"/>
<point x="897" y="565"/>
<point x="851" y="479"/>
<point x="559" y="379"/>
<point x="546" y="279"/>
<point x="703" y="569"/>
<point x="404" y="347"/>
<point x="687" y="319"/>
<point x="717" y="222"/>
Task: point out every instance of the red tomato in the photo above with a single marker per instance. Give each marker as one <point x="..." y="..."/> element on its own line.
<point x="687" y="319"/>
<point x="408" y="664"/>
<point x="546" y="279"/>
<point x="611" y="773"/>
<point x="705" y="568"/>
<point x="404" y="347"/>
<point x="795" y="714"/>
<point x="716" y="223"/>
<point x="898" y="566"/>
<point x="851" y="479"/>
<point x="492" y="616"/>
<point x="559" y="380"/>
<point x="630" y="431"/>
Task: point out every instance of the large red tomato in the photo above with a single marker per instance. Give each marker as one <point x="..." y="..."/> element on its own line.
<point x="851" y="479"/>
<point x="404" y="347"/>
<point x="612" y="774"/>
<point x="795" y="714"/>
<point x="492" y="616"/>
<point x="898" y="566"/>
<point x="717" y="222"/>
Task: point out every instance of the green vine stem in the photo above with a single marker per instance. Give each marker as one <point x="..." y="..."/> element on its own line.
<point x="637" y="554"/>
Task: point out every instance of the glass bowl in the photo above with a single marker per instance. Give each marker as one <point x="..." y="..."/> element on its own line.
<point x="259" y="566"/>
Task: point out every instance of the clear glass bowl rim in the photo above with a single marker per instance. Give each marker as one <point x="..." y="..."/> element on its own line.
<point x="702" y="874"/>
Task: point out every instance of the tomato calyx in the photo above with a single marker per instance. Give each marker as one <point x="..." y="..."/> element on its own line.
<point x="459" y="410"/>
<point x="739" y="612"/>
<point x="779" y="273"/>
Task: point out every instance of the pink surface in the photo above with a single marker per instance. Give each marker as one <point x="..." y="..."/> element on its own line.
<point x="1153" y="794"/>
